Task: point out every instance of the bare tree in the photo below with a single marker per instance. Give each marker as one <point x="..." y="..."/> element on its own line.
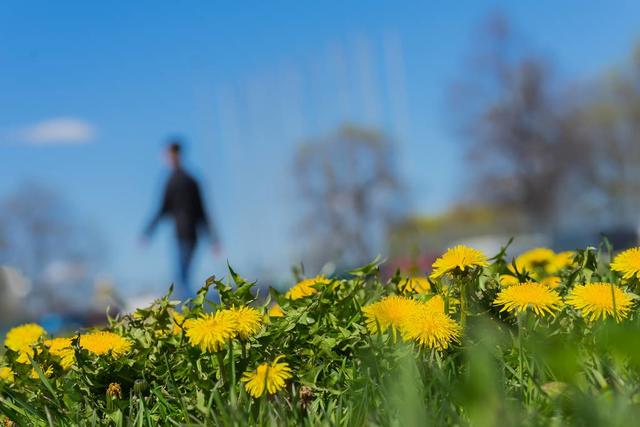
<point x="610" y="121"/>
<point x="521" y="140"/>
<point x="350" y="187"/>
<point x="43" y="239"/>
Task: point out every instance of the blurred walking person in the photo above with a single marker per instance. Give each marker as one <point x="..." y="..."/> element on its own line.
<point x="182" y="202"/>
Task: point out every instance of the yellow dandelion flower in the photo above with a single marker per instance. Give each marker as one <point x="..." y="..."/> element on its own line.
<point x="435" y="303"/>
<point x="7" y="375"/>
<point x="430" y="327"/>
<point x="248" y="321"/>
<point x="551" y="281"/>
<point x="508" y="280"/>
<point x="103" y="342"/>
<point x="628" y="263"/>
<point x="268" y="376"/>
<point x="22" y="340"/>
<point x="276" y="311"/>
<point x="560" y="261"/>
<point x="415" y="284"/>
<point x="210" y="332"/>
<point x="306" y="287"/>
<point x="389" y="312"/>
<point x="47" y="372"/>
<point x="62" y="348"/>
<point x="596" y="300"/>
<point x="458" y="258"/>
<point x="538" y="297"/>
<point x="534" y="258"/>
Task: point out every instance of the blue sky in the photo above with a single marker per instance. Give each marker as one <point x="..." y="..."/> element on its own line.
<point x="244" y="82"/>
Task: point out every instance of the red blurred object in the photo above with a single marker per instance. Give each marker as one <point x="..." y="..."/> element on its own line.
<point x="410" y="265"/>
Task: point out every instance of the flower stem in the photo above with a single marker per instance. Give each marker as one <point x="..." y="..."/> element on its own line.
<point x="520" y="359"/>
<point x="463" y="304"/>
<point x="223" y="374"/>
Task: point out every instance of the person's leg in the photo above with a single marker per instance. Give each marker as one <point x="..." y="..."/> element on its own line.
<point x="185" y="256"/>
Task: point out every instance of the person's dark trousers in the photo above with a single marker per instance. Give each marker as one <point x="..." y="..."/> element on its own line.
<point x="186" y="249"/>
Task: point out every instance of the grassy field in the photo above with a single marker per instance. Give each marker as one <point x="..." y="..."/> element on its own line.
<point x="545" y="339"/>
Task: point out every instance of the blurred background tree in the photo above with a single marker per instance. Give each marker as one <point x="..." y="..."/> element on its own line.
<point x="609" y="117"/>
<point x="549" y="158"/>
<point x="522" y="140"/>
<point x="561" y="153"/>
<point x="44" y="241"/>
<point x="351" y="193"/>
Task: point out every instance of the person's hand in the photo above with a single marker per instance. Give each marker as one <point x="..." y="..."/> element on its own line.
<point x="216" y="249"/>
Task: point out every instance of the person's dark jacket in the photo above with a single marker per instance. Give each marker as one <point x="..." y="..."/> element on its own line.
<point x="182" y="202"/>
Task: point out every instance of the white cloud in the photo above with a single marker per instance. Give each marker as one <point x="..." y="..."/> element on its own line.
<point x="60" y="130"/>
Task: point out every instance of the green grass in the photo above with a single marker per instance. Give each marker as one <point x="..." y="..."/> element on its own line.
<point x="505" y="370"/>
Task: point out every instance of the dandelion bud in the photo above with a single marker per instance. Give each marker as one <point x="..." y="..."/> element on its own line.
<point x="114" y="391"/>
<point x="306" y="396"/>
<point x="139" y="386"/>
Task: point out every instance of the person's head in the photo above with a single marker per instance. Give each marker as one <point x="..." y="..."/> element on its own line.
<point x="174" y="152"/>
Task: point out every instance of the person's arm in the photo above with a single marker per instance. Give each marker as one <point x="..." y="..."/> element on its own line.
<point x="204" y="219"/>
<point x="165" y="208"/>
